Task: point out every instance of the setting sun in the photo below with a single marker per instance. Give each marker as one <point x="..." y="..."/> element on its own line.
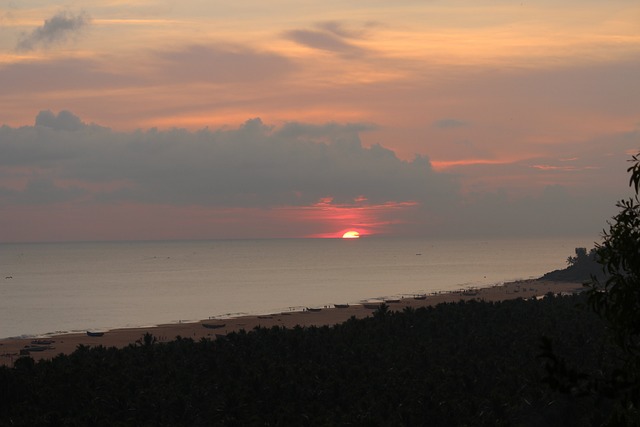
<point x="351" y="235"/>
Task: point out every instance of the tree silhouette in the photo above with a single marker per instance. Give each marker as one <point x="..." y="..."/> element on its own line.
<point x="614" y="295"/>
<point x="617" y="298"/>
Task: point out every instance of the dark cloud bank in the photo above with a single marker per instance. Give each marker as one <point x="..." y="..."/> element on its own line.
<point x="255" y="165"/>
<point x="259" y="166"/>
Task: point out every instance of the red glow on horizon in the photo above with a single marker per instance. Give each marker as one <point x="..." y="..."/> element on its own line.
<point x="132" y="221"/>
<point x="366" y="220"/>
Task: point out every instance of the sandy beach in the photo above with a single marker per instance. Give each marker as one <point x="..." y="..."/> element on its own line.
<point x="10" y="349"/>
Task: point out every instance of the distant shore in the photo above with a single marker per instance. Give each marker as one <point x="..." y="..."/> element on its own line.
<point x="11" y="348"/>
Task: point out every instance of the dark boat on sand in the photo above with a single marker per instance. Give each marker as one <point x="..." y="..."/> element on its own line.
<point x="94" y="334"/>
<point x="372" y="306"/>
<point x="214" y="325"/>
<point x="42" y="342"/>
<point x="30" y="348"/>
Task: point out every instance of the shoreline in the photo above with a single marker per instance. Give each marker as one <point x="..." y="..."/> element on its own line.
<point x="66" y="343"/>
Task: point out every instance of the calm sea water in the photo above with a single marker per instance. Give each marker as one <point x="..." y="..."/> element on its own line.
<point x="77" y="286"/>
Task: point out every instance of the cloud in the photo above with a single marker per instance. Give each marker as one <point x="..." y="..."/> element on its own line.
<point x="54" y="30"/>
<point x="331" y="37"/>
<point x="65" y="120"/>
<point x="555" y="211"/>
<point x="312" y="172"/>
<point x="450" y="123"/>
<point x="42" y="191"/>
<point x="255" y="165"/>
<point x="340" y="30"/>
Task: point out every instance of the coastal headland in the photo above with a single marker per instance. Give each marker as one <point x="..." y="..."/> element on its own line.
<point x="51" y="346"/>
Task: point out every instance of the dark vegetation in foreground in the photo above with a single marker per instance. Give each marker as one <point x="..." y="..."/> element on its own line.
<point x="468" y="363"/>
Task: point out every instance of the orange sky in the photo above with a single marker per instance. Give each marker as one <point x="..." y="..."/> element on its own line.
<point x="506" y="104"/>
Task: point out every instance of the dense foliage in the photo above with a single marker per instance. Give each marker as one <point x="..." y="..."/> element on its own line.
<point x="616" y="297"/>
<point x="467" y="363"/>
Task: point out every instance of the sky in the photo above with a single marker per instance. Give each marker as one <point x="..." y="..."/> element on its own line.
<point x="200" y="119"/>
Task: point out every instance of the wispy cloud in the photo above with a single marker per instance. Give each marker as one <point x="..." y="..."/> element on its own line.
<point x="330" y="36"/>
<point x="341" y="30"/>
<point x="57" y="29"/>
<point x="547" y="167"/>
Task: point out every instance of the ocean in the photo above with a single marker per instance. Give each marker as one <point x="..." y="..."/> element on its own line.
<point x="48" y="288"/>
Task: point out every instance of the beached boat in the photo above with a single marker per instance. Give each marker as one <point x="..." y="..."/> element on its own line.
<point x="372" y="305"/>
<point x="31" y="348"/>
<point x="314" y="309"/>
<point x="392" y="300"/>
<point x="341" y="305"/>
<point x="94" y="334"/>
<point x="420" y="297"/>
<point x="214" y="325"/>
<point x="42" y="342"/>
